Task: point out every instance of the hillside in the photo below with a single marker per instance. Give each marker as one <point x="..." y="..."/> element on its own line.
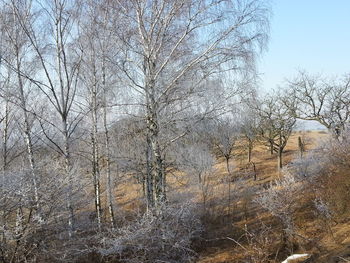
<point x="244" y="227"/>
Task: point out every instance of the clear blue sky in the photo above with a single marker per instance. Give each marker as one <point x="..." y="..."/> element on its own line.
<point x="307" y="34"/>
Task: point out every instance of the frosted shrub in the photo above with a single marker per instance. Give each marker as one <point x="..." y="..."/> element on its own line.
<point x="155" y="238"/>
<point x="279" y="199"/>
<point x="307" y="168"/>
<point x="323" y="208"/>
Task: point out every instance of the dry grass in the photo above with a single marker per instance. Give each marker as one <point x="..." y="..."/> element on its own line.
<point x="223" y="222"/>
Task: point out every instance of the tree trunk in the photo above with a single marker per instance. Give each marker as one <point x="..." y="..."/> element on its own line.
<point x="110" y="196"/>
<point x="4" y="168"/>
<point x="280" y="160"/>
<point x="301" y="147"/>
<point x="280" y="151"/>
<point x="157" y="165"/>
<point x="5" y="137"/>
<point x="96" y="176"/>
<point x="95" y="153"/>
<point x="157" y="169"/>
<point x="110" y="185"/>
<point x="229" y="184"/>
<point x="28" y="138"/>
<point x="68" y="173"/>
<point x="149" y="176"/>
<point x="271" y="147"/>
<point x="250" y="148"/>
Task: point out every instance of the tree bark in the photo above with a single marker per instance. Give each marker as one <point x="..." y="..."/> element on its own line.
<point x="229" y="183"/>
<point x="157" y="165"/>
<point x="280" y="160"/>
<point x="28" y="136"/>
<point x="4" y="167"/>
<point x="271" y="147"/>
<point x="149" y="176"/>
<point x="301" y="147"/>
<point x="68" y="173"/>
<point x="110" y="196"/>
<point x="94" y="151"/>
<point x="5" y="137"/>
<point x="250" y="148"/>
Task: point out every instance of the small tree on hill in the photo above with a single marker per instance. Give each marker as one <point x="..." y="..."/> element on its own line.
<point x="276" y="124"/>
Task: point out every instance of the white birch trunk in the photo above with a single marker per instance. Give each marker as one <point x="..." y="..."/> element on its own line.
<point x="95" y="153"/>
<point x="28" y="137"/>
<point x="109" y="179"/>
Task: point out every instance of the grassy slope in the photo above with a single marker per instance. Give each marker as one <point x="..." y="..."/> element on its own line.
<point x="331" y="246"/>
<point x="245" y="214"/>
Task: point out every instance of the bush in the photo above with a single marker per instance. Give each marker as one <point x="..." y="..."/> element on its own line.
<point x="166" y="237"/>
<point x="279" y="199"/>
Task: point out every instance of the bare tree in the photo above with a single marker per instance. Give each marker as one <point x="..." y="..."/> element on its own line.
<point x="91" y="43"/>
<point x="313" y="97"/>
<point x="17" y="61"/>
<point x="198" y="162"/>
<point x="57" y="75"/>
<point x="167" y="43"/>
<point x="224" y="137"/>
<point x="276" y="125"/>
<point x="249" y="127"/>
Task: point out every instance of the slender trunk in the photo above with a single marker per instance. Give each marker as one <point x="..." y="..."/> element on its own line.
<point x="4" y="167"/>
<point x="149" y="176"/>
<point x="95" y="153"/>
<point x="18" y="232"/>
<point x="28" y="138"/>
<point x="254" y="169"/>
<point x="68" y="173"/>
<point x="144" y="184"/>
<point x="109" y="181"/>
<point x="301" y="147"/>
<point x="29" y="144"/>
<point x="5" y="136"/>
<point x="250" y="148"/>
<point x="229" y="184"/>
<point x="280" y="152"/>
<point x="96" y="177"/>
<point x="280" y="161"/>
<point x="271" y="146"/>
<point x="64" y="88"/>
<point x="110" y="196"/>
<point x="164" y="184"/>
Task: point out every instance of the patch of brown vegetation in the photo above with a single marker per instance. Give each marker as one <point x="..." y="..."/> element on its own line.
<point x="225" y="223"/>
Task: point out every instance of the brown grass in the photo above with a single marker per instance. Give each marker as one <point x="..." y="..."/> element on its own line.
<point x="245" y="214"/>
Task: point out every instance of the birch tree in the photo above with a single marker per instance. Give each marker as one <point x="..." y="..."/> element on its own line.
<point x="91" y="78"/>
<point x="98" y="77"/>
<point x="50" y="29"/>
<point x="17" y="46"/>
<point x="171" y="47"/>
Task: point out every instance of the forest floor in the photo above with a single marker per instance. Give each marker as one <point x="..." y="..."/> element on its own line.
<point x="232" y="223"/>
